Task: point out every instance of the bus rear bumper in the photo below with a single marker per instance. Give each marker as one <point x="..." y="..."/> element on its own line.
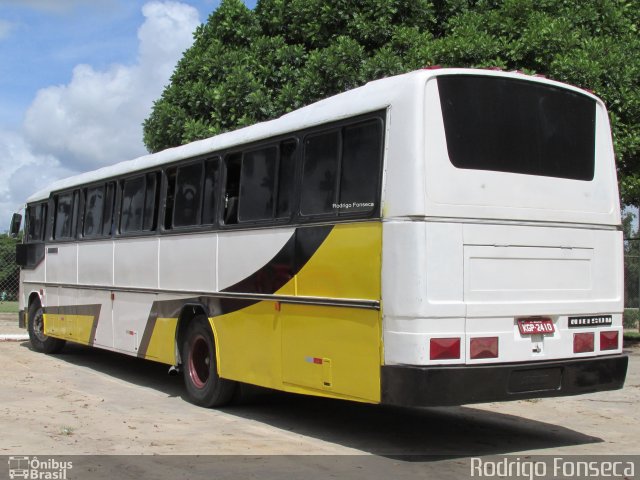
<point x="458" y="385"/>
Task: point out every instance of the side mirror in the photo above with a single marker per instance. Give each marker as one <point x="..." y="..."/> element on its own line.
<point x="16" y="220"/>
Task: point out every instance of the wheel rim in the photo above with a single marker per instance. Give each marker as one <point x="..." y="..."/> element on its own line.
<point x="38" y="326"/>
<point x="199" y="361"/>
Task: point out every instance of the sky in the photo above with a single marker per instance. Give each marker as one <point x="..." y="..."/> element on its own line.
<point x="77" y="79"/>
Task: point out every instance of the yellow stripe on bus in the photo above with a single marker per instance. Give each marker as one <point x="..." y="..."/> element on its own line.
<point x="347" y="264"/>
<point x="162" y="344"/>
<point x="319" y="350"/>
<point x="76" y="328"/>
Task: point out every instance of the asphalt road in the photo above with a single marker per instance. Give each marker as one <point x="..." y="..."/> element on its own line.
<point x="90" y="402"/>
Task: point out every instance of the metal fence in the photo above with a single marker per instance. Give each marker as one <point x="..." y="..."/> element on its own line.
<point x="9" y="271"/>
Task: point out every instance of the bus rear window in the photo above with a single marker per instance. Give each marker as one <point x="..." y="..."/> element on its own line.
<point x="515" y="126"/>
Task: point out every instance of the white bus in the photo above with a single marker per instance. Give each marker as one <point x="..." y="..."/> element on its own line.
<point x="443" y="237"/>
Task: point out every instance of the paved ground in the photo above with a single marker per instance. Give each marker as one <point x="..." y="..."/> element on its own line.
<point x="9" y="325"/>
<point x="85" y="401"/>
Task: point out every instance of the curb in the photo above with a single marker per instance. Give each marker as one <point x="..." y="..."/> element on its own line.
<point x="14" y="338"/>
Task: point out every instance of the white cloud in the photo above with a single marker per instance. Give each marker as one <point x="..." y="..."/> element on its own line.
<point x="23" y="173"/>
<point x="96" y="119"/>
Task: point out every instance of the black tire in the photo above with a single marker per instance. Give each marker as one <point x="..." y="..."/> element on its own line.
<point x="199" y="367"/>
<point x="35" y="326"/>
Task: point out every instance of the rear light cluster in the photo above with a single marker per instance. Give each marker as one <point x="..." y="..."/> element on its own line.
<point x="444" y="348"/>
<point x="585" y="342"/>
<point x="484" y="347"/>
<point x="449" y="348"/>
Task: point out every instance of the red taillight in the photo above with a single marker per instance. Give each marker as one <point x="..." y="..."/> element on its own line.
<point x="432" y="67"/>
<point x="484" y="347"/>
<point x="583" y="342"/>
<point x="444" y="348"/>
<point x="608" y="340"/>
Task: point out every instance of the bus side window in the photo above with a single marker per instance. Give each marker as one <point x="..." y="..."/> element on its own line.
<point x="30" y="223"/>
<point x="170" y="195"/>
<point x="232" y="188"/>
<point x="64" y="212"/>
<point x="93" y="211"/>
<point x="320" y="168"/>
<point x="109" y="202"/>
<point x="360" y="167"/>
<point x="35" y="218"/>
<point x="150" y="202"/>
<point x="132" y="204"/>
<point x="257" y="184"/>
<point x="286" y="178"/>
<point x="211" y="169"/>
<point x="188" y="195"/>
<point x="75" y="216"/>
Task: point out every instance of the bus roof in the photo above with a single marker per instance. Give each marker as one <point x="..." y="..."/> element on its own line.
<point x="373" y="96"/>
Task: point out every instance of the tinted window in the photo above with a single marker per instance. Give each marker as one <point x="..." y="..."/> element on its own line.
<point x="188" y="195"/>
<point x="514" y="126"/>
<point x="93" y="206"/>
<point x="170" y="198"/>
<point x="133" y="192"/>
<point x="360" y="167"/>
<point x="320" y="168"/>
<point x="258" y="173"/>
<point x="286" y="178"/>
<point x="36" y="215"/>
<point x="211" y="168"/>
<point x="76" y="213"/>
<point x="232" y="188"/>
<point x="64" y="214"/>
<point x="150" y="202"/>
<point x="109" y="201"/>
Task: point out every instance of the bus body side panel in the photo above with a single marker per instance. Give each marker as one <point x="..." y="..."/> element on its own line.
<point x="314" y="349"/>
<point x="325" y="350"/>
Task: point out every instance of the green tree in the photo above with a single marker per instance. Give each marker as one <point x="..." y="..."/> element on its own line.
<point x="247" y="65"/>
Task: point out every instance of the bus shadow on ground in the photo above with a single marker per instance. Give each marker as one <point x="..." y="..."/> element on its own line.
<point x="408" y="434"/>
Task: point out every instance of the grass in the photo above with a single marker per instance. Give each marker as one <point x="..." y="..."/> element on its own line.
<point x="631" y="336"/>
<point x="8" y="307"/>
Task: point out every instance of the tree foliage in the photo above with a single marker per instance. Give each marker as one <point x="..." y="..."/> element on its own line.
<point x="247" y="65"/>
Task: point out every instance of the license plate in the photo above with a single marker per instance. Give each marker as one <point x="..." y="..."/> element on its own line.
<point x="533" y="326"/>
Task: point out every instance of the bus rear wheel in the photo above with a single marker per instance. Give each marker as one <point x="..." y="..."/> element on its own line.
<point x="35" y="326"/>
<point x="199" y="366"/>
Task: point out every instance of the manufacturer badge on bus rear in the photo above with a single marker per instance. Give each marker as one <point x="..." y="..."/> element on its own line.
<point x="594" y="321"/>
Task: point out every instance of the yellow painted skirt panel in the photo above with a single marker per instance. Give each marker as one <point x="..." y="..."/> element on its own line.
<point x="162" y="346"/>
<point x="76" y="328"/>
<point x="332" y="350"/>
